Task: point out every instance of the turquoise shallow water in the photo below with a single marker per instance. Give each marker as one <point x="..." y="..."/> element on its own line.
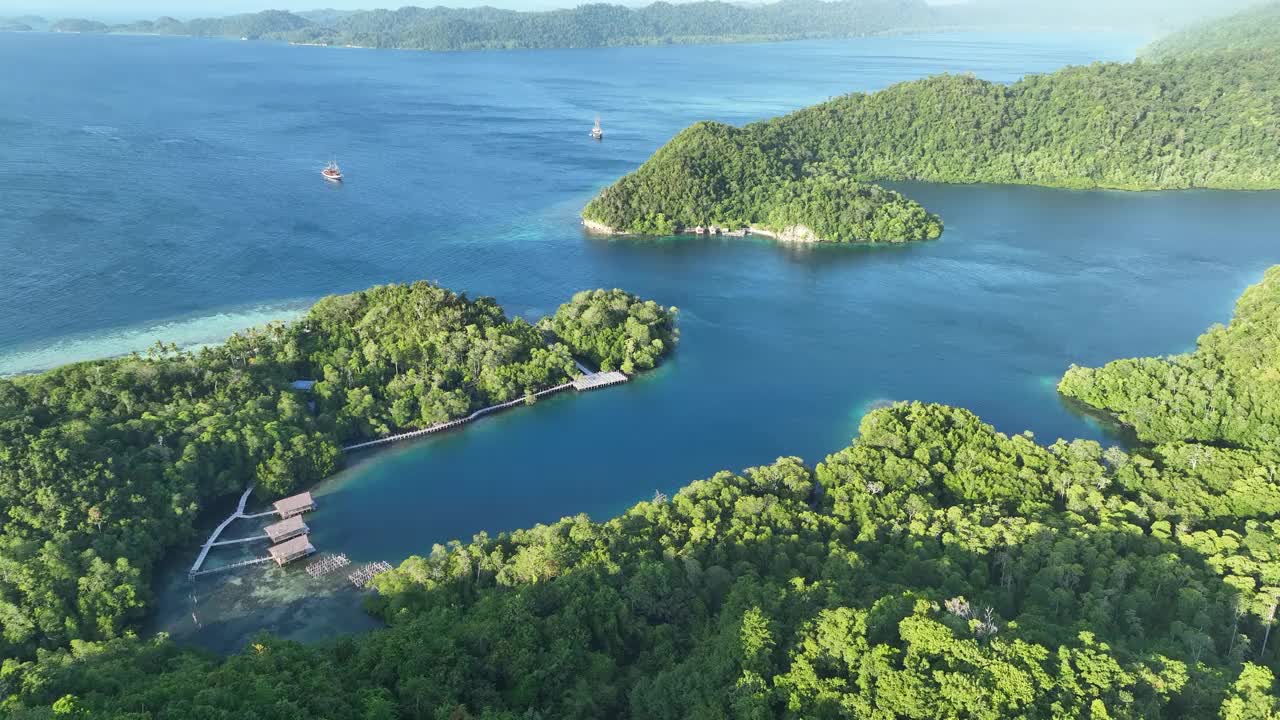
<point x="469" y="169"/>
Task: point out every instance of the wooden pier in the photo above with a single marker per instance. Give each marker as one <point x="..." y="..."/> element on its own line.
<point x="440" y="427"/>
<point x="232" y="566"/>
<point x="213" y="538"/>
<point x="598" y="380"/>
<point x="587" y="381"/>
<point x="292" y="535"/>
<point x="239" y="541"/>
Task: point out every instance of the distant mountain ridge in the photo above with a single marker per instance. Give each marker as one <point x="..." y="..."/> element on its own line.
<point x="602" y="25"/>
<point x="1141" y="16"/>
<point x="594" y="25"/>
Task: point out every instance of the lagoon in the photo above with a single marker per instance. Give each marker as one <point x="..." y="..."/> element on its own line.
<point x="169" y="189"/>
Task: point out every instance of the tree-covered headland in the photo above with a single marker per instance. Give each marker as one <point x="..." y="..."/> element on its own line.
<point x="935" y="568"/>
<point x="715" y="175"/>
<point x="1202" y="121"/>
<point x="1252" y="29"/>
<point x="1225" y="392"/>
<point x="614" y="329"/>
<point x="106" y="465"/>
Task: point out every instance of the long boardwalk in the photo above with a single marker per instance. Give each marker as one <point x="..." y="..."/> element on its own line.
<point x="208" y="544"/>
<point x="238" y="541"/>
<point x="452" y="423"/>
<point x="588" y="381"/>
<point x="232" y="566"/>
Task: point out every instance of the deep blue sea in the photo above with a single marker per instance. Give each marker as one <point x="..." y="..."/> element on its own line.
<point x="168" y="188"/>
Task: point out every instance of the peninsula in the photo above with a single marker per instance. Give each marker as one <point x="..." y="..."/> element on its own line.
<point x="1225" y="392"/>
<point x="107" y="464"/>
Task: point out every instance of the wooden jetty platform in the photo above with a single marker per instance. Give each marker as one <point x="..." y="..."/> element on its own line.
<point x="587" y="381"/>
<point x="598" y="380"/>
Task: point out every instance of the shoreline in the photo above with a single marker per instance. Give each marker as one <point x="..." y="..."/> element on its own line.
<point x="796" y="234"/>
<point x="631" y="42"/>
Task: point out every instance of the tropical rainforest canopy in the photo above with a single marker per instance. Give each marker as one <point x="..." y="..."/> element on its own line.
<point x="716" y="175"/>
<point x="105" y="465"/>
<point x="935" y="568"/>
<point x="614" y="329"/>
<point x="1226" y="392"/>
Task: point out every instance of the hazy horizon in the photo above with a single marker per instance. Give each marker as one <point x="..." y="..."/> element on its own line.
<point x="1122" y="12"/>
<point x="129" y="10"/>
<point x="185" y="10"/>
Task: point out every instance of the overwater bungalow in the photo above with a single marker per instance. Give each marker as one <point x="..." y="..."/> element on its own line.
<point x="291" y="550"/>
<point x="295" y="505"/>
<point x="287" y="528"/>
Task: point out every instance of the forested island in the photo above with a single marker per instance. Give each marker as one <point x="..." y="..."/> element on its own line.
<point x="714" y="175"/>
<point x="1208" y="120"/>
<point x="106" y="465"/>
<point x="935" y="568"/>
